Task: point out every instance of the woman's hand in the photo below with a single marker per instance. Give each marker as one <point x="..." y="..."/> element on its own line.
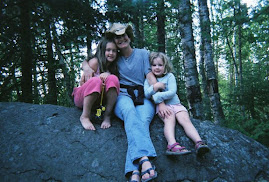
<point x="103" y="76"/>
<point x="85" y="77"/>
<point x="164" y="111"/>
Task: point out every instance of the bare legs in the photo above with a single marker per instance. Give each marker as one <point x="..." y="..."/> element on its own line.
<point x="87" y="106"/>
<point x="92" y="89"/>
<point x="111" y="96"/>
<point x="184" y="120"/>
<point x="169" y="128"/>
<point x="88" y="102"/>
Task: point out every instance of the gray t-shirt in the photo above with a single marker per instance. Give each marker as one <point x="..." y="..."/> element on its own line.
<point x="133" y="70"/>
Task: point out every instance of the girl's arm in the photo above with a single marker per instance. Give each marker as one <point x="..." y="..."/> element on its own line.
<point x="169" y="93"/>
<point x="163" y="110"/>
<point x="150" y="90"/>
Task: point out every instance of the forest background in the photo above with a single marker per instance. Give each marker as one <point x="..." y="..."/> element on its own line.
<point x="219" y="51"/>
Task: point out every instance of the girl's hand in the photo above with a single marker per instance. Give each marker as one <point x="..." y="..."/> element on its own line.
<point x="164" y="111"/>
<point x="158" y="86"/>
<point x="103" y="76"/>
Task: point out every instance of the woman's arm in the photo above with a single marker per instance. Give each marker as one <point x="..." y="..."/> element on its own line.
<point x="89" y="68"/>
<point x="151" y="78"/>
<point x="148" y="89"/>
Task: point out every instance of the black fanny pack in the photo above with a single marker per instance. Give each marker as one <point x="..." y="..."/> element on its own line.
<point x="139" y="99"/>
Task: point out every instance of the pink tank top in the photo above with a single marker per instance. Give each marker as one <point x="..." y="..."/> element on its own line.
<point x="97" y="73"/>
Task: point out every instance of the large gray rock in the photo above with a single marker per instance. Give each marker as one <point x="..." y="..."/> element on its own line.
<point x="48" y="143"/>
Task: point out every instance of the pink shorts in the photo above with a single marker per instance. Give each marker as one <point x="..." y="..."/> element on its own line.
<point x="94" y="85"/>
<point x="175" y="108"/>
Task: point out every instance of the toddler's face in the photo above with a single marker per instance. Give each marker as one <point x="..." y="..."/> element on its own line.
<point x="157" y="67"/>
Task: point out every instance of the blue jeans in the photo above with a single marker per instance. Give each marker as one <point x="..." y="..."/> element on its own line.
<point x="136" y="123"/>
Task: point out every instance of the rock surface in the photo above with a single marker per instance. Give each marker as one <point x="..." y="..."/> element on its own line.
<point x="48" y="143"/>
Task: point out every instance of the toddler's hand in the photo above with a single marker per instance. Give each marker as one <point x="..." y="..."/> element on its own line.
<point x="158" y="86"/>
<point x="164" y="111"/>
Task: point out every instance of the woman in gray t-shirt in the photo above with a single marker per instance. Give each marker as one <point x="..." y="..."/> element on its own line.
<point x="131" y="106"/>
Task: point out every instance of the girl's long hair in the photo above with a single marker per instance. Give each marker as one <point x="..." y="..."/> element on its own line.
<point x="100" y="55"/>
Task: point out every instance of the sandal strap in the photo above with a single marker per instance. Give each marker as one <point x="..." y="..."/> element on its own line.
<point x="144" y="160"/>
<point x="147" y="171"/>
<point x="170" y="147"/>
<point x="136" y="173"/>
<point x="199" y="143"/>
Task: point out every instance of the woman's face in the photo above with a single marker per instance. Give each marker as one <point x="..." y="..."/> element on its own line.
<point x="111" y="52"/>
<point x="122" y="41"/>
<point x="157" y="67"/>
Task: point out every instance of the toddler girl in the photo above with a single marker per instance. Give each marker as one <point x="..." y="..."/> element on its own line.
<point x="165" y="91"/>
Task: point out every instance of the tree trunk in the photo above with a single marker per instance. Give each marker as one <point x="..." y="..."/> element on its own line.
<point x="239" y="24"/>
<point x="192" y="83"/>
<point x="161" y="26"/>
<point x="88" y="43"/>
<point x="26" y="58"/>
<point x="139" y="28"/>
<point x="212" y="82"/>
<point x="35" y="84"/>
<point x="89" y="47"/>
<point x="69" y="80"/>
<point x="52" y="94"/>
<point x="206" y="101"/>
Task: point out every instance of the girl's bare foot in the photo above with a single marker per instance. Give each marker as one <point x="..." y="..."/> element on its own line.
<point x="86" y="123"/>
<point x="106" y="123"/>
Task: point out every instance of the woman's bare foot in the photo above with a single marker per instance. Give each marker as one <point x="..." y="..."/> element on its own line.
<point x="106" y="123"/>
<point x="86" y="123"/>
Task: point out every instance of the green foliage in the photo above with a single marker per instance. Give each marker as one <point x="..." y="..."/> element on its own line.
<point x="254" y="128"/>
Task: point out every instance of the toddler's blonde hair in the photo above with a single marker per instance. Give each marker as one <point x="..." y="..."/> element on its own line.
<point x="166" y="62"/>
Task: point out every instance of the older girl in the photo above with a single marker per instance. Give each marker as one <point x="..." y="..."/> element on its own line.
<point x="102" y="71"/>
